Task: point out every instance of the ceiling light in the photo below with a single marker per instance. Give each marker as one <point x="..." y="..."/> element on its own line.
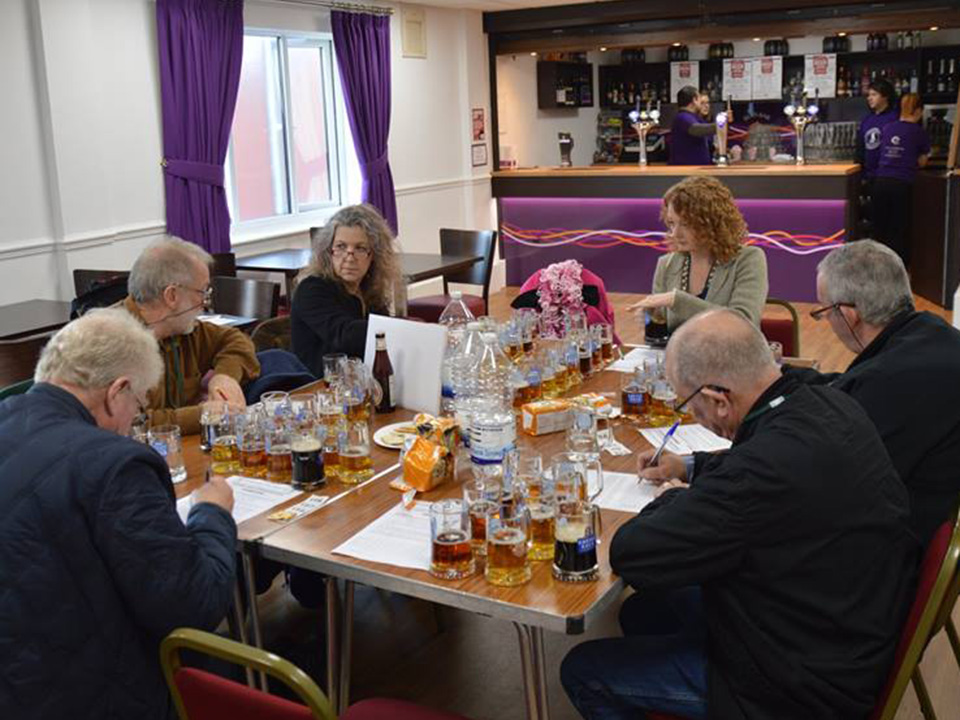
<point x="934" y="28"/>
<point x="756" y="39"/>
<point x="533" y="54"/>
<point x="676" y="44"/>
<point x="603" y="49"/>
<point x="841" y="34"/>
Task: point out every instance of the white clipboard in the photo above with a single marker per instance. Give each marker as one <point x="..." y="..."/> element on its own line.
<point x="416" y="353"/>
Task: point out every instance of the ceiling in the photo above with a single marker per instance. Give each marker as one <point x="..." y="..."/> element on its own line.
<point x="494" y="5"/>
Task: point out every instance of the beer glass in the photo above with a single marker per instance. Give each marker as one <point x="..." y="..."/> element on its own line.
<point x="575" y="547"/>
<point x="165" y="439"/>
<point x="211" y="412"/>
<point x="633" y="394"/>
<point x="306" y="460"/>
<point x="596" y="344"/>
<point x="508" y="560"/>
<point x="253" y="448"/>
<point x="225" y="451"/>
<point x="541" y="506"/>
<point x="663" y="398"/>
<point x="302" y="410"/>
<point x="527" y="321"/>
<point x="333" y="364"/>
<point x="279" y="460"/>
<point x="585" y="354"/>
<point x="330" y="430"/>
<point x="576" y="476"/>
<point x="606" y="342"/>
<point x="450" y="555"/>
<point x="482" y="498"/>
<point x="582" y="435"/>
<point x="356" y="464"/>
<point x="655" y="332"/>
<point x="276" y="406"/>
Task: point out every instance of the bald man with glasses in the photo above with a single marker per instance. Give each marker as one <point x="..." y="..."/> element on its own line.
<point x="772" y="579"/>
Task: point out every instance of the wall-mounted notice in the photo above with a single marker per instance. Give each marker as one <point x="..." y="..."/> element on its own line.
<point x="738" y="79"/>
<point x="767" y="78"/>
<point x="820" y="73"/>
<point x="683" y="74"/>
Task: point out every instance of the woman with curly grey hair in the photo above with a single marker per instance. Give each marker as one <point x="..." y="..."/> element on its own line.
<point x="354" y="271"/>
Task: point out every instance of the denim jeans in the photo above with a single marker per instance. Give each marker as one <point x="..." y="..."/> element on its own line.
<point x="660" y="663"/>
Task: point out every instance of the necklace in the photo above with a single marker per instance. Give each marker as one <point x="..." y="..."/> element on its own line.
<point x="685" y="276"/>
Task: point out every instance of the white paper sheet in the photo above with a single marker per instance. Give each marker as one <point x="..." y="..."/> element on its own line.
<point x="416" y="351"/>
<point x="635" y="357"/>
<point x="251" y="496"/>
<point x="687" y="440"/>
<point x="623" y="491"/>
<point x="220" y="319"/>
<point x="399" y="537"/>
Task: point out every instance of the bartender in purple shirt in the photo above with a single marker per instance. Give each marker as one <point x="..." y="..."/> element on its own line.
<point x="690" y="138"/>
<point x="904" y="147"/>
<point x="883" y="111"/>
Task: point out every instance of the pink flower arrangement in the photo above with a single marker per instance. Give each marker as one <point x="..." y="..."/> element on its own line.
<point x="560" y="289"/>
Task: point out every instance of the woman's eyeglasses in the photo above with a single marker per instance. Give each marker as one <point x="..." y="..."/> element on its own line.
<point x="342" y="250"/>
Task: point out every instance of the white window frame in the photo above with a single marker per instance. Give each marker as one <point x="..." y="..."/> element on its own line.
<point x="299" y="217"/>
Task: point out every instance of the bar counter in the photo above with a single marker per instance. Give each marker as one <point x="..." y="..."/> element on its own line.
<point x="608" y="218"/>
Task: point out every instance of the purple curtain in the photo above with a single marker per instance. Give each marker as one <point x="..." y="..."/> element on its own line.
<point x="201" y="46"/>
<point x="362" y="44"/>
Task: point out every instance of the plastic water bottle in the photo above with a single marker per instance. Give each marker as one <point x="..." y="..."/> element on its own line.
<point x="456" y="312"/>
<point x="452" y="355"/>
<point x="493" y="429"/>
<point x="493" y="371"/>
<point x="462" y="380"/>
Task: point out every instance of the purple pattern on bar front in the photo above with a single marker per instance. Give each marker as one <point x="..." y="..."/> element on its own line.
<point x="622" y="239"/>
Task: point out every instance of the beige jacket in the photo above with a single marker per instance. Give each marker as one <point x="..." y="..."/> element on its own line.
<point x="739" y="284"/>
<point x="186" y="361"/>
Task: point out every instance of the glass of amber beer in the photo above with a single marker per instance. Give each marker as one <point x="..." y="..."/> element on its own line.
<point x="508" y="558"/>
<point x="576" y="476"/>
<point x="542" y="510"/>
<point x="575" y="547"/>
<point x="356" y="465"/>
<point x="482" y="495"/>
<point x="253" y="446"/>
<point x="450" y="555"/>
<point x="279" y="459"/>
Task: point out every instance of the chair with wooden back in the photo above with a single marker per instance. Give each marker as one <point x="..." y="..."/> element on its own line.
<point x="84" y="280"/>
<point x="200" y="695"/>
<point x="224" y="265"/>
<point x="784" y="330"/>
<point x="18" y="358"/>
<point x="461" y="242"/>
<point x="245" y="297"/>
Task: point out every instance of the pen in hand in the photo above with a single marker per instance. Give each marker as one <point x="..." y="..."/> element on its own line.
<point x="666" y="439"/>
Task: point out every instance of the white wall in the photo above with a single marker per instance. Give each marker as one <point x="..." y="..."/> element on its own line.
<point x="80" y="135"/>
<point x="532" y="133"/>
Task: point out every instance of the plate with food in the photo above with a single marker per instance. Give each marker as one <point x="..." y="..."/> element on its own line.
<point x="392" y="436"/>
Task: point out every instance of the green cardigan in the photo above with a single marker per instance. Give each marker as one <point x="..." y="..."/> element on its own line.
<point x="739" y="284"/>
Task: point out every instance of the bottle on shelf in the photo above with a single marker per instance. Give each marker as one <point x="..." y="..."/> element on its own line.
<point x="864" y="80"/>
<point x="952" y="77"/>
<point x="383" y="374"/>
<point x="931" y="85"/>
<point x="914" y="81"/>
<point x="942" y="76"/>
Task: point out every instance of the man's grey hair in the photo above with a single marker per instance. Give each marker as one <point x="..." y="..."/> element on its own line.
<point x="96" y="349"/>
<point x="165" y="262"/>
<point x="719" y="347"/>
<point x="869" y="276"/>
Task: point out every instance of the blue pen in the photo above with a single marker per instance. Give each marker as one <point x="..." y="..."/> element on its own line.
<point x="656" y="456"/>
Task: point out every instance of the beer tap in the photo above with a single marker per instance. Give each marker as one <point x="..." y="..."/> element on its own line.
<point x="723" y="120"/>
<point x="801" y="115"/>
<point x="643" y="122"/>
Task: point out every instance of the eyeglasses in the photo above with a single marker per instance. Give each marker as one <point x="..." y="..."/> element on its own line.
<point x="342" y="250"/>
<point x="818" y="313"/>
<point x="691" y="396"/>
<point x="141" y="405"/>
<point x="207" y="292"/>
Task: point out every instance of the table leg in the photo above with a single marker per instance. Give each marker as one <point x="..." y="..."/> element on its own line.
<point x="540" y="672"/>
<point x="530" y="692"/>
<point x="254" y="611"/>
<point x="346" y="650"/>
<point x="333" y="654"/>
<point x="238" y="625"/>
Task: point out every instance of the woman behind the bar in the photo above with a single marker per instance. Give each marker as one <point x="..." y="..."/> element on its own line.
<point x="354" y="272"/>
<point x="709" y="265"/>
<point x="904" y="147"/>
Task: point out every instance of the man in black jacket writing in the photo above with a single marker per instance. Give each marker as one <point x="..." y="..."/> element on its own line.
<point x="772" y="578"/>
<point x="905" y="374"/>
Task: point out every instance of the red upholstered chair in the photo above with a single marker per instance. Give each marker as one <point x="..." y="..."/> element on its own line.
<point x="200" y="695"/>
<point x="460" y="242"/>
<point x="937" y="575"/>
<point x="784" y="330"/>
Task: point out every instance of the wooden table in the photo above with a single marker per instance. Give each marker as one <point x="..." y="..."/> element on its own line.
<point x="542" y="604"/>
<point x="416" y="266"/>
<point x="31" y="317"/>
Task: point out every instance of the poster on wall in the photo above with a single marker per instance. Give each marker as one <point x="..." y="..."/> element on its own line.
<point x="820" y="73"/>
<point x="478" y="155"/>
<point x="479" y="126"/>
<point x="683" y="74"/>
<point x="737" y="79"/>
<point x="767" y="78"/>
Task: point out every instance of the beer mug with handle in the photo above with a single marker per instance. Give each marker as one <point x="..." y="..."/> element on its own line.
<point x="576" y="476"/>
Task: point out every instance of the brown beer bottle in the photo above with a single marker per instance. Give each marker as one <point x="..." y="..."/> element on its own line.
<point x="383" y="374"/>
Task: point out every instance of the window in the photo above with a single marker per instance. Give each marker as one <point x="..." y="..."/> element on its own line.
<point x="288" y="143"/>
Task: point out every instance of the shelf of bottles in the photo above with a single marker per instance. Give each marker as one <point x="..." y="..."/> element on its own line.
<point x="564" y="84"/>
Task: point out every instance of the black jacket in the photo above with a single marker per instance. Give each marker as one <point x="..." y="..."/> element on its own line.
<point x="324" y="319"/>
<point x="908" y="381"/>
<point x="95" y="565"/>
<point x="798" y="536"/>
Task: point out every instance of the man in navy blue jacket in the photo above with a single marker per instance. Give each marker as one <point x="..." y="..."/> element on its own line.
<point x="95" y="565"/>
